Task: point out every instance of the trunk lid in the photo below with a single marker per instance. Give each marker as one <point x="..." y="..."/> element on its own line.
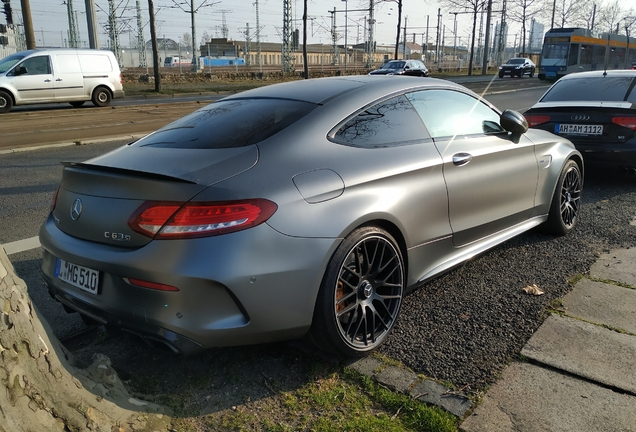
<point x="97" y="198"/>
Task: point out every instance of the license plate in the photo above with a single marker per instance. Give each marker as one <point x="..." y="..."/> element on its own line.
<point x="550" y="74"/>
<point x="578" y="129"/>
<point x="82" y="277"/>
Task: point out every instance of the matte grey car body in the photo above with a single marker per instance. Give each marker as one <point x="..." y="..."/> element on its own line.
<point x="370" y="187"/>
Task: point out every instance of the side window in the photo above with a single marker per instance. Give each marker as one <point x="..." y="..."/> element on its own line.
<point x="450" y="113"/>
<point x="389" y="123"/>
<point x="36" y="65"/>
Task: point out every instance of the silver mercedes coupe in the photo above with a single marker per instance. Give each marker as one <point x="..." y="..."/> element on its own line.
<point x="302" y="209"/>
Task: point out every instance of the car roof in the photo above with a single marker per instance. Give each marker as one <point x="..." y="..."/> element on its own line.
<point x="321" y="90"/>
<point x="600" y="74"/>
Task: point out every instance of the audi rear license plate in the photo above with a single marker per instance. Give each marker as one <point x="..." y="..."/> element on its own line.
<point x="82" y="277"/>
<point x="578" y="129"/>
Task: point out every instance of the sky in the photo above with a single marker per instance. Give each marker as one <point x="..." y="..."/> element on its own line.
<point x="50" y="20"/>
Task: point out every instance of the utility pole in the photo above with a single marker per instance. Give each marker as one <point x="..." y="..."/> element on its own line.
<point x="28" y="24"/>
<point x="258" y="41"/>
<point x="113" y="32"/>
<point x="91" y="21"/>
<point x="155" y="52"/>
<point x="141" y="43"/>
<point x="73" y="37"/>
<point x="288" y="41"/>
<point x="404" y="40"/>
<point x="370" y="42"/>
<point x="334" y="39"/>
<point x="438" y="32"/>
<point x="195" y="57"/>
<point x="248" y="45"/>
<point x="484" y="67"/>
<point x="225" y="31"/>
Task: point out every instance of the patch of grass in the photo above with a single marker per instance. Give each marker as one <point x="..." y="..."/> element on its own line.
<point x="335" y="399"/>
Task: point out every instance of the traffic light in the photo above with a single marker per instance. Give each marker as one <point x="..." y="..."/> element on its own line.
<point x="7" y="11"/>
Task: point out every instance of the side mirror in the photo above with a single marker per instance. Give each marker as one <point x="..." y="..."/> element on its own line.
<point x="513" y="122"/>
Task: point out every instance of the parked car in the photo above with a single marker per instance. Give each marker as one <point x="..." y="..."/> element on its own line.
<point x="307" y="208"/>
<point x="59" y="75"/>
<point x="596" y="111"/>
<point x="402" y="67"/>
<point x="517" y="67"/>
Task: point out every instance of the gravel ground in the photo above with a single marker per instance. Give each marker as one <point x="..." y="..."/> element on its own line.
<point x="466" y="326"/>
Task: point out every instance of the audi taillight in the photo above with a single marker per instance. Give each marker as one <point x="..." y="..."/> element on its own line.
<point x="170" y="220"/>
<point x="535" y="119"/>
<point x="626" y="121"/>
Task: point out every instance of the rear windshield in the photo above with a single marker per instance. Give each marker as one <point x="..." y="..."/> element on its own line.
<point x="226" y="124"/>
<point x="598" y="88"/>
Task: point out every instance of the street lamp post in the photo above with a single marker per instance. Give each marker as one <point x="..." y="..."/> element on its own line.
<point x="346" y="33"/>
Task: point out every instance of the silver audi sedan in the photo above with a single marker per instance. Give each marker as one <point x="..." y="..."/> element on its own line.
<point x="303" y="209"/>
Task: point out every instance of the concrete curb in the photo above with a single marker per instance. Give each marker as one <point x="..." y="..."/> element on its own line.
<point x="409" y="383"/>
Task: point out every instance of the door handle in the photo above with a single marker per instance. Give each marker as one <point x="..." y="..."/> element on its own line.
<point x="460" y="159"/>
<point x="47" y="80"/>
<point x="59" y="79"/>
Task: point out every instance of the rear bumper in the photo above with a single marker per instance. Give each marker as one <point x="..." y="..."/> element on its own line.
<point x="119" y="94"/>
<point x="252" y="286"/>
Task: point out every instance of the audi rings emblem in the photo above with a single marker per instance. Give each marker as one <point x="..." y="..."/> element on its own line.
<point x="580" y="117"/>
<point x="76" y="209"/>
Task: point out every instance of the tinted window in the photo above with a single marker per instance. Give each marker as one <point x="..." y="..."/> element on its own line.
<point x="236" y="123"/>
<point x="36" y="65"/>
<point x="392" y="122"/>
<point x="394" y="65"/>
<point x="516" y="61"/>
<point x="8" y="62"/>
<point x="450" y="113"/>
<point x="609" y="88"/>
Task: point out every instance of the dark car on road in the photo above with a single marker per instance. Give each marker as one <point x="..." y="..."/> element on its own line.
<point x="517" y="67"/>
<point x="307" y="208"/>
<point x="402" y="67"/>
<point x="596" y="111"/>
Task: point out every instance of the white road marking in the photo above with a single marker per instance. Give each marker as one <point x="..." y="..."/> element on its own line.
<point x="22" y="245"/>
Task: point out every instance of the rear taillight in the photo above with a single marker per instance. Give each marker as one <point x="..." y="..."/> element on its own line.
<point x="169" y="220"/>
<point x="54" y="201"/>
<point x="535" y="119"/>
<point x="627" y="121"/>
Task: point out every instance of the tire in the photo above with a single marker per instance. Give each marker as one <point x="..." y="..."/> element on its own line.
<point x="566" y="201"/>
<point x="77" y="104"/>
<point x="360" y="295"/>
<point x="101" y="97"/>
<point x="6" y="102"/>
<point x="531" y="73"/>
<point x="501" y="75"/>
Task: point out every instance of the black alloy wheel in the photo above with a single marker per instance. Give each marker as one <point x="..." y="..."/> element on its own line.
<point x="361" y="294"/>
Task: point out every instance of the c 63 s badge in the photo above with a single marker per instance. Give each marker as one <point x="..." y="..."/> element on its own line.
<point x="116" y="236"/>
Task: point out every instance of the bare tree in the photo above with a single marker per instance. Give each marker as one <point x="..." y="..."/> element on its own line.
<point x="610" y="16"/>
<point x="41" y="389"/>
<point x="570" y="13"/>
<point x="473" y="7"/>
<point x="521" y="11"/>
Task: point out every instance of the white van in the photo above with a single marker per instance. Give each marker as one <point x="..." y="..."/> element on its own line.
<point x="59" y="75"/>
